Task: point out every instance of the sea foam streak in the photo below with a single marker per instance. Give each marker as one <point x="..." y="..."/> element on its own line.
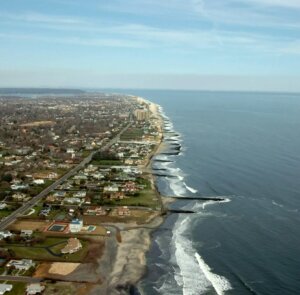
<point x="192" y="190"/>
<point x="219" y="283"/>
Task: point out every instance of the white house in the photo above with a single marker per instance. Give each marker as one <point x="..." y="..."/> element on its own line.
<point x="33" y="289"/>
<point x="76" y="225"/>
<point x="5" y="288"/>
<point x="38" y="181"/>
<point x="5" y="234"/>
<point x="23" y="264"/>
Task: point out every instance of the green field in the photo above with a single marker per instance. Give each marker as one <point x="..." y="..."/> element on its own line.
<point x="132" y="134"/>
<point x="107" y="162"/>
<point x="145" y="198"/>
<point x="49" y="250"/>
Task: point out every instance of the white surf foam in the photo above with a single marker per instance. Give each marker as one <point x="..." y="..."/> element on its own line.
<point x="220" y="284"/>
<point x="192" y="281"/>
<point x="177" y="187"/>
<point x="192" y="190"/>
<point x="205" y="204"/>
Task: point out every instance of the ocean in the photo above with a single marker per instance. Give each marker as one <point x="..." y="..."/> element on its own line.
<point x="245" y="149"/>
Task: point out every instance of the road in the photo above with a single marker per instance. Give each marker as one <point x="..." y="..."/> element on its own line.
<point x="20" y="279"/>
<point x="20" y="211"/>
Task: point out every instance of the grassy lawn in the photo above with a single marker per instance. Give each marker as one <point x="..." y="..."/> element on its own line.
<point x="107" y="162"/>
<point x="145" y="198"/>
<point x="41" y="254"/>
<point x="60" y="288"/>
<point x="19" y="288"/>
<point x="37" y="209"/>
<point x="5" y="212"/>
<point x="132" y="134"/>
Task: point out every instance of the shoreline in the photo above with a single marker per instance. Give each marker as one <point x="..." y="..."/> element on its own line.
<point x="125" y="262"/>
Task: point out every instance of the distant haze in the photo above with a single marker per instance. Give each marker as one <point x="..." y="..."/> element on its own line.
<point x="174" y="44"/>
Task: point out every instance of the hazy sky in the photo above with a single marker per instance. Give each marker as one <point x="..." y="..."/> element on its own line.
<point x="188" y="44"/>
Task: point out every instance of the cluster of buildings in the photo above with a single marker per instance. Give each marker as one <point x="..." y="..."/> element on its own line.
<point x="42" y="139"/>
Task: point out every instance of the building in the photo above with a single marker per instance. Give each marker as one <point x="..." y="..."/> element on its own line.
<point x="5" y="288"/>
<point x="23" y="264"/>
<point x="76" y="225"/>
<point x="26" y="233"/>
<point x="72" y="246"/>
<point x="141" y="114"/>
<point x="98" y="211"/>
<point x="33" y="289"/>
<point x="38" y="181"/>
<point x="123" y="211"/>
<point x="5" y="234"/>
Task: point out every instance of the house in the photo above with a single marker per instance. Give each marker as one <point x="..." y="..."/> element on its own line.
<point x="26" y="233"/>
<point x="70" y="151"/>
<point x="80" y="194"/>
<point x="5" y="288"/>
<point x="59" y="194"/>
<point x="3" y="206"/>
<point x="72" y="201"/>
<point x="46" y="175"/>
<point x="72" y="246"/>
<point x="98" y="211"/>
<point x="45" y="211"/>
<point x="33" y="289"/>
<point x="123" y="211"/>
<point x="19" y="197"/>
<point x="23" y="264"/>
<point x="38" y="181"/>
<point x="16" y="187"/>
<point x="111" y="188"/>
<point x="5" y="234"/>
<point x="116" y="196"/>
<point x="51" y="199"/>
<point x="76" y="225"/>
<point x="98" y="175"/>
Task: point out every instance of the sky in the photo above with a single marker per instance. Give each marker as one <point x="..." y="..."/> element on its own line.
<point x="164" y="44"/>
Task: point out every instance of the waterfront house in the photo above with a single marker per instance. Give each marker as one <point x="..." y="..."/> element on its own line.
<point x="72" y="246"/>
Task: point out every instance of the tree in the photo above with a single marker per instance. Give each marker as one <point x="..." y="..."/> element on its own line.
<point x="7" y="177"/>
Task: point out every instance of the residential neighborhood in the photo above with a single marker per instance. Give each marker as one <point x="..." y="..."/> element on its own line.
<point x="75" y="168"/>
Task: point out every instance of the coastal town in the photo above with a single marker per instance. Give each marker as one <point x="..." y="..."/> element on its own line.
<point x="76" y="190"/>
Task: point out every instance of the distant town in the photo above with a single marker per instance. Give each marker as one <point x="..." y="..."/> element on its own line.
<point x="74" y="177"/>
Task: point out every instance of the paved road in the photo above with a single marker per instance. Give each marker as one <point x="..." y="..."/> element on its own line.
<point x="20" y="211"/>
<point x="20" y="279"/>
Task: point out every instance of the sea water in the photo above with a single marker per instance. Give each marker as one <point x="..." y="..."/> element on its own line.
<point x="245" y="148"/>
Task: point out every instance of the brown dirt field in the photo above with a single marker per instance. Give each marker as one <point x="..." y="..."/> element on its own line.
<point x="62" y="268"/>
<point x="84" y="289"/>
<point x="100" y="230"/>
<point x="29" y="225"/>
<point x="47" y="269"/>
<point x="42" y="270"/>
<point x="95" y="251"/>
<point x="68" y="288"/>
